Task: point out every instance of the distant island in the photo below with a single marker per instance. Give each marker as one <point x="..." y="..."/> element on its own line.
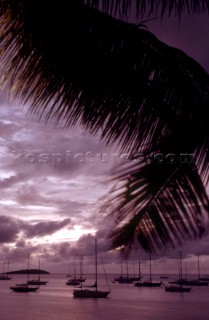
<point x="30" y="271"/>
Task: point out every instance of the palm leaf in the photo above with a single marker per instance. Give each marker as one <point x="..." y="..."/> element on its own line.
<point x="73" y="64"/>
<point x="158" y="207"/>
<point x="99" y="80"/>
<point x="124" y="8"/>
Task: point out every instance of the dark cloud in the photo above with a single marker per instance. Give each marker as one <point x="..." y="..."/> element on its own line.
<point x="12" y="229"/>
<point x="44" y="228"/>
<point x="9" y="229"/>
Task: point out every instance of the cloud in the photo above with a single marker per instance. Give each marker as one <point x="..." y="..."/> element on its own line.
<point x="11" y="181"/>
<point x="17" y="230"/>
<point x="44" y="228"/>
<point x="9" y="229"/>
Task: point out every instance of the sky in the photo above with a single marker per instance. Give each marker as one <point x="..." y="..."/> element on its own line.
<point x="54" y="180"/>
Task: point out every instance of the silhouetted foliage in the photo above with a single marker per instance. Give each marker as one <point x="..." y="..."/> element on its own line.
<point x="75" y="64"/>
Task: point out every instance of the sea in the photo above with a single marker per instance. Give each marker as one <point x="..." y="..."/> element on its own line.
<point x="54" y="301"/>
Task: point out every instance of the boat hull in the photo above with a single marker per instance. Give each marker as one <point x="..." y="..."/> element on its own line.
<point x="177" y="289"/>
<point x="148" y="284"/>
<point x="3" y="278"/>
<point x="72" y="283"/>
<point x="121" y="281"/>
<point x="37" y="282"/>
<point x="24" y="289"/>
<point x="90" y="294"/>
<point x="191" y="283"/>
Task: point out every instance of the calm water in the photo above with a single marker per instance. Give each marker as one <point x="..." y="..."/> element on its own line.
<point x="126" y="302"/>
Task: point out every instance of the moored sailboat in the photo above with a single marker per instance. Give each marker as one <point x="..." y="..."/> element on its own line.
<point x="149" y="283"/>
<point x="87" y="293"/>
<point x="76" y="281"/>
<point x="24" y="287"/>
<point x="4" y="275"/>
<point x="192" y="283"/>
<point x="179" y="287"/>
<point x="128" y="279"/>
<point x="38" y="281"/>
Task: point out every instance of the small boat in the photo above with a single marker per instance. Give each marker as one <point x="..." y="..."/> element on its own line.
<point x="72" y="282"/>
<point x="127" y="279"/>
<point x="38" y="281"/>
<point x="149" y="283"/>
<point x="87" y="293"/>
<point x="192" y="283"/>
<point x="137" y="278"/>
<point x="179" y="287"/>
<point x="76" y="281"/>
<point x="24" y="287"/>
<point x="4" y="275"/>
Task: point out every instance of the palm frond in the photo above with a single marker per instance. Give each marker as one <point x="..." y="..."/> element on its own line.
<point x="73" y="64"/>
<point x="158" y="206"/>
<point x="161" y="200"/>
<point x="141" y="8"/>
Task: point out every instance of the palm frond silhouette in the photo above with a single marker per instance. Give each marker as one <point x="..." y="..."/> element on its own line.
<point x="75" y="64"/>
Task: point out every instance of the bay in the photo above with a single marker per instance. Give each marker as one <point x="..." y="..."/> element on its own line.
<point x="55" y="302"/>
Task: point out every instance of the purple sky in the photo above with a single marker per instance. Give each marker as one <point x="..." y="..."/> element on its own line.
<point x="50" y="188"/>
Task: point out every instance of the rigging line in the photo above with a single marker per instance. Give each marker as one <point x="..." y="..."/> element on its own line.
<point x="104" y="272"/>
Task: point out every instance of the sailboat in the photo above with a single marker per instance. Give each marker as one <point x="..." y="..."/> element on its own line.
<point x="87" y="293"/>
<point x="75" y="281"/>
<point x="135" y="278"/>
<point x="24" y="287"/>
<point x="179" y="287"/>
<point x="81" y="279"/>
<point x="195" y="283"/>
<point x="4" y="275"/>
<point x="125" y="279"/>
<point x="149" y="283"/>
<point x="38" y="281"/>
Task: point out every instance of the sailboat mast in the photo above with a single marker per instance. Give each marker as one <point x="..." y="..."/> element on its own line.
<point x="39" y="274"/>
<point x="81" y="267"/>
<point x="28" y="269"/>
<point x="150" y="268"/>
<point x="81" y="271"/>
<point x="7" y="266"/>
<point x="134" y="273"/>
<point x="180" y="269"/>
<point x="198" y="261"/>
<point x="74" y="270"/>
<point x="185" y="270"/>
<point x="96" y="264"/>
<point x="127" y="270"/>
